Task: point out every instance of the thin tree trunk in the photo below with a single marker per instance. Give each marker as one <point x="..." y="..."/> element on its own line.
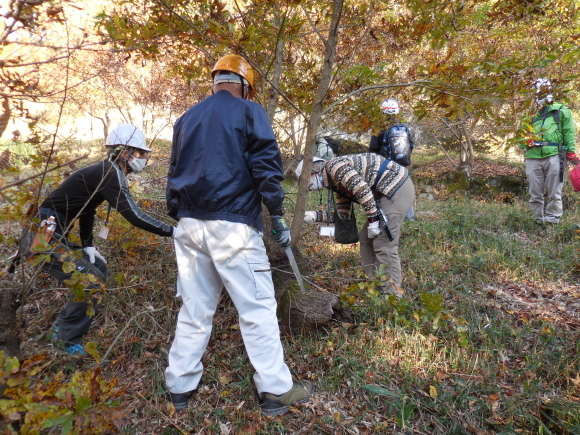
<point x="315" y="115"/>
<point x="275" y="80"/>
<point x="467" y="157"/>
<point x="9" y="327"/>
<point x="4" y="115"/>
<point x="106" y="121"/>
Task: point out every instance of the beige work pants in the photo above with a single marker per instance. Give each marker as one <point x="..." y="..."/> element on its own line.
<point x="381" y="250"/>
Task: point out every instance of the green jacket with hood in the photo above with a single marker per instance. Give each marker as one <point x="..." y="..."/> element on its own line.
<point x="546" y="130"/>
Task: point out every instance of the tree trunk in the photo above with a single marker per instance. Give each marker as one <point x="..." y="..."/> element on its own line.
<point x="106" y="121"/>
<point x="4" y="115"/>
<point x="315" y="310"/>
<point x="273" y="250"/>
<point x="315" y="115"/>
<point x="466" y="157"/>
<point x="275" y="79"/>
<point x="9" y="328"/>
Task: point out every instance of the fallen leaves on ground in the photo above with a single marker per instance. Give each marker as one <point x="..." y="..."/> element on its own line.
<point x="558" y="303"/>
<point x="481" y="168"/>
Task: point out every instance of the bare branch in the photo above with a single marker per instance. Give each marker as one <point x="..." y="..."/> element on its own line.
<point x="419" y="83"/>
<point x="324" y="41"/>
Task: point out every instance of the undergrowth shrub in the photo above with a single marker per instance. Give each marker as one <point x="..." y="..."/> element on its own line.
<point x="426" y="314"/>
<point x="34" y="400"/>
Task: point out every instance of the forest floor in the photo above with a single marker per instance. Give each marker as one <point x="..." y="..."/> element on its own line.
<point x="485" y="340"/>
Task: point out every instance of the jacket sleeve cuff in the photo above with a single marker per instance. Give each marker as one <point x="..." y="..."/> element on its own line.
<point x="276" y="212"/>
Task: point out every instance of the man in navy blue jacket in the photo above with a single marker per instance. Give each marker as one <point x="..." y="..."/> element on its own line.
<point x="224" y="164"/>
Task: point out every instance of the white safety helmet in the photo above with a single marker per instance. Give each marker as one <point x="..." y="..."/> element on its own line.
<point x="317" y="165"/>
<point x="390" y="106"/>
<point x="127" y="135"/>
<point x="543" y="91"/>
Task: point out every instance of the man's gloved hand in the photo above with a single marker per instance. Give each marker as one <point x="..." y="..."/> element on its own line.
<point x="530" y="142"/>
<point x="310" y="217"/>
<point x="573" y="158"/>
<point x="92" y="253"/>
<point x="280" y="232"/>
<point x="374" y="229"/>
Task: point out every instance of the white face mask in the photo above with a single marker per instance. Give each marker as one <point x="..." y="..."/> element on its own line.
<point x="316" y="182"/>
<point x="137" y="165"/>
<point x="548" y="99"/>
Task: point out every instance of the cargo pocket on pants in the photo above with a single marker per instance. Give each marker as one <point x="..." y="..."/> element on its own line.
<point x="262" y="276"/>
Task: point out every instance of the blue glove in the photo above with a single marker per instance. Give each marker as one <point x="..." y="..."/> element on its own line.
<point x="280" y="232"/>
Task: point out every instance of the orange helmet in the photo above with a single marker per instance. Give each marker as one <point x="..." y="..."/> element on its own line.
<point x="238" y="65"/>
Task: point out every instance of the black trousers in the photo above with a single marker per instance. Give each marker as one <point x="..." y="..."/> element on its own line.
<point x="73" y="320"/>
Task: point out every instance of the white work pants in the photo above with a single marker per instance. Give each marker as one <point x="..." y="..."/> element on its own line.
<point x="544" y="174"/>
<point x="212" y="253"/>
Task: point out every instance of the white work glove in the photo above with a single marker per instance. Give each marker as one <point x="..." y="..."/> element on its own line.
<point x="374" y="229"/>
<point x="92" y="253"/>
<point x="309" y="217"/>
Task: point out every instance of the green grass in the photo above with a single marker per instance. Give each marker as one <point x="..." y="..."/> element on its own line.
<point x="485" y="341"/>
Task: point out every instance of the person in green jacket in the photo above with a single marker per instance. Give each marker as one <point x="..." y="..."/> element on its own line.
<point x="554" y="141"/>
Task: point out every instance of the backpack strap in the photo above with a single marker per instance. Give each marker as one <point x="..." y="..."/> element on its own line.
<point x="557" y="120"/>
<point x="384" y="146"/>
<point x="555" y="113"/>
<point x="380" y="173"/>
<point x="545" y="113"/>
<point x="385" y="138"/>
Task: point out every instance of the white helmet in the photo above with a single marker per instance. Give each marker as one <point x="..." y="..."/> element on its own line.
<point x="390" y="106"/>
<point x="541" y="82"/>
<point x="543" y="91"/>
<point x="128" y="135"/>
<point x="317" y="165"/>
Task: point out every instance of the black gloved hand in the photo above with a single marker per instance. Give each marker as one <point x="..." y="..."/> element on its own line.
<point x="280" y="232"/>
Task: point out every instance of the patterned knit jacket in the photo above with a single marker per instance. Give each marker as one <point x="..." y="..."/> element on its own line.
<point x="353" y="176"/>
